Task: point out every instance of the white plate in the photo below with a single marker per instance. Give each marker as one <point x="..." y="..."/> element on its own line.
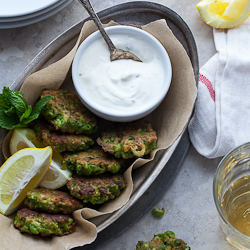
<point x="32" y="15"/>
<point x="11" y="8"/>
<point x="21" y="23"/>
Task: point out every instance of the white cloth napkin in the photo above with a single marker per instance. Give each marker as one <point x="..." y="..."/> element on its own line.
<point x="221" y="119"/>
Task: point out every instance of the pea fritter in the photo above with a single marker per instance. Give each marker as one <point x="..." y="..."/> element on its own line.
<point x="33" y="222"/>
<point x="67" y="114"/>
<point x="61" y="142"/>
<point x="96" y="190"/>
<point x="164" y="241"/>
<point x="92" y="162"/>
<point x="134" y="139"/>
<point x="51" y="201"/>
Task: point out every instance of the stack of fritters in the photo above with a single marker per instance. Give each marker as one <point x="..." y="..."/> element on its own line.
<point x="71" y="121"/>
<point x="67" y="130"/>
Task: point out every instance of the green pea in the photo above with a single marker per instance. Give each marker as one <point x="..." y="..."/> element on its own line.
<point x="177" y="242"/>
<point x="170" y="234"/>
<point x="158" y="212"/>
<point x="33" y="229"/>
<point x="70" y="221"/>
<point x="36" y="197"/>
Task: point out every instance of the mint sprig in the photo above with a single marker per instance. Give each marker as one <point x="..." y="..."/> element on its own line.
<point x="14" y="111"/>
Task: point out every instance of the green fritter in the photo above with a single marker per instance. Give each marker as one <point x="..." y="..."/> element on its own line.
<point x="92" y="162"/>
<point x="33" y="222"/>
<point x="134" y="139"/>
<point x="61" y="142"/>
<point x="51" y="201"/>
<point x="164" y="241"/>
<point x="67" y="114"/>
<point x="96" y="190"/>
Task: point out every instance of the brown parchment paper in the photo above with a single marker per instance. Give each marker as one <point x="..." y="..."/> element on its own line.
<point x="169" y="120"/>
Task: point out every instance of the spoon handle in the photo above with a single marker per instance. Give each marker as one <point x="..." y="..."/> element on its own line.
<point x="87" y="5"/>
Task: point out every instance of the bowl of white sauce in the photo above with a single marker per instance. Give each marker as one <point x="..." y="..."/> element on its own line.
<point x="122" y="90"/>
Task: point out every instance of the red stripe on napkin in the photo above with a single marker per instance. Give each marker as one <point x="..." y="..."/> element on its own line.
<point x="208" y="84"/>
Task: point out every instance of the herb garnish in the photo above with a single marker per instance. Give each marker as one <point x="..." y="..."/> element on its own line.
<point x="14" y="111"/>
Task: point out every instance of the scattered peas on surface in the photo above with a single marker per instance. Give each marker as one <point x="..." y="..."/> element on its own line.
<point x="158" y="212"/>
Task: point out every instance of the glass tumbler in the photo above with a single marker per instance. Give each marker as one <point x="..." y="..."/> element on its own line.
<point x="231" y="191"/>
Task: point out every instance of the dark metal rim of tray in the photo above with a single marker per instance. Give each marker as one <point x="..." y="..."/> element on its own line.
<point x="137" y="13"/>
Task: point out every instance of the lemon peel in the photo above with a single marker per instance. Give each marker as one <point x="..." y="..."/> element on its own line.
<point x="224" y="14"/>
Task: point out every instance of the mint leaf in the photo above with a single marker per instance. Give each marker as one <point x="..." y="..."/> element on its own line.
<point x="14" y="111"/>
<point x="10" y="111"/>
<point x="26" y="114"/>
<point x="6" y="94"/>
<point x="17" y="100"/>
<point x="38" y="108"/>
<point x="9" y="122"/>
<point x="4" y="104"/>
<point x="41" y="103"/>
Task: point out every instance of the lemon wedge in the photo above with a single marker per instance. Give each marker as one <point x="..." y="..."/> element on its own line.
<point x="224" y="13"/>
<point x="22" y="172"/>
<point x="57" y="175"/>
<point x="23" y="138"/>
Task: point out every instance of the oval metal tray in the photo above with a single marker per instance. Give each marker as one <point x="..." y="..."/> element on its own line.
<point x="167" y="162"/>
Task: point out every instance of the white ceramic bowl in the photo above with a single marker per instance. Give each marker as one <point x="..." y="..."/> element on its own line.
<point x="143" y="110"/>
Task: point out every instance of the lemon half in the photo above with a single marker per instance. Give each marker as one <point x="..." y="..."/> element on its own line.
<point x="57" y="175"/>
<point x="22" y="172"/>
<point x="224" y="13"/>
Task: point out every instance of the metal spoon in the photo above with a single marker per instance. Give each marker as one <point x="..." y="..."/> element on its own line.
<point x="115" y="54"/>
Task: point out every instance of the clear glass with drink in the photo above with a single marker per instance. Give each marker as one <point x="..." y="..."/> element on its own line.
<point x="231" y="191"/>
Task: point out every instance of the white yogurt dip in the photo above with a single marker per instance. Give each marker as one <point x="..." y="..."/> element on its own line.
<point x="122" y="86"/>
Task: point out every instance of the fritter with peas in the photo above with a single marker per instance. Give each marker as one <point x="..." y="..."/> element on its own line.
<point x="51" y="201"/>
<point x="96" y="190"/>
<point x="134" y="139"/>
<point x="164" y="241"/>
<point x="67" y="114"/>
<point x="92" y="162"/>
<point x="33" y="222"/>
<point x="61" y="142"/>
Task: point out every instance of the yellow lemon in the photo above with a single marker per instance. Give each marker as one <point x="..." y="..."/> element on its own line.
<point x="23" y="138"/>
<point x="22" y="172"/>
<point x="224" y="13"/>
<point x="57" y="175"/>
